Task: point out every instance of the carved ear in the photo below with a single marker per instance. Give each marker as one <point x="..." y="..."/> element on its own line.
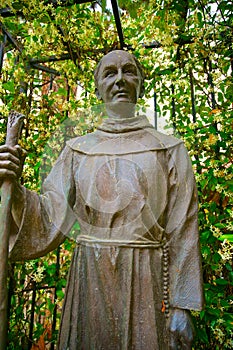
<point x="98" y="94"/>
<point x="142" y="91"/>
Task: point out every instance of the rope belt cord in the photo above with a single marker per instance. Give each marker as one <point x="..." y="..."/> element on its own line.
<point x="93" y="241"/>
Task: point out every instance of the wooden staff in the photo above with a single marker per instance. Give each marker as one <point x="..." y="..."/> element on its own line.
<point x="14" y="127"/>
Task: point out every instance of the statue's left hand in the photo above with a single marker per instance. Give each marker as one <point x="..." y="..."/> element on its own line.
<point x="181" y="330"/>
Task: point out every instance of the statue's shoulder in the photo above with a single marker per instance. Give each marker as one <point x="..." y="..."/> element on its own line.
<point x="84" y="142"/>
<point x="100" y="142"/>
<point x="166" y="141"/>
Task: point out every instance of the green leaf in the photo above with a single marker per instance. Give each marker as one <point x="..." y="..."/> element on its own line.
<point x="205" y="235"/>
<point x="9" y="86"/>
<point x="229" y="267"/>
<point x="216" y="257"/>
<point x="199" y="16"/>
<point x="201" y="334"/>
<point x="231" y="275"/>
<point x="221" y="281"/>
<point x="228" y="237"/>
<point x="214" y="312"/>
<point x="202" y="314"/>
<point x="205" y="250"/>
<point x="60" y="294"/>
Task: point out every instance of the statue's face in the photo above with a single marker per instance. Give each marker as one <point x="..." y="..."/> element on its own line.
<point x="119" y="79"/>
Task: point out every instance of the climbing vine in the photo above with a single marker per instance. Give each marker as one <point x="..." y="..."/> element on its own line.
<point x="186" y="50"/>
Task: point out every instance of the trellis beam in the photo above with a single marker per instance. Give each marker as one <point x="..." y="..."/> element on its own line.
<point x="116" y="14"/>
<point x="10" y="38"/>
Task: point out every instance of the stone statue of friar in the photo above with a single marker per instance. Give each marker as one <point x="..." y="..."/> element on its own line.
<point x="136" y="270"/>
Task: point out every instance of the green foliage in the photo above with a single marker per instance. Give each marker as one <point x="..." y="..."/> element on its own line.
<point x="191" y="73"/>
<point x="46" y="277"/>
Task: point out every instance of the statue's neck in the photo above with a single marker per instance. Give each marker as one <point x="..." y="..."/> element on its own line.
<point x="120" y="110"/>
<point x="117" y="125"/>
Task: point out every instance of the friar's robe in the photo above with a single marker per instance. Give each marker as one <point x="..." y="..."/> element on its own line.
<point x="133" y="193"/>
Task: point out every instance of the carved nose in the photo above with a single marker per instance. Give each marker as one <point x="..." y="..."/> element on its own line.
<point x="120" y="78"/>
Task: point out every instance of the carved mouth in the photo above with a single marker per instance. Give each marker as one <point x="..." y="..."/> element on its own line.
<point x="121" y="93"/>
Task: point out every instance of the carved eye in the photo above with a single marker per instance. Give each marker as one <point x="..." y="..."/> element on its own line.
<point x="109" y="73"/>
<point x="130" y="71"/>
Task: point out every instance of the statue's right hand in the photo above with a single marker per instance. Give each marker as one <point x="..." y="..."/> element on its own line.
<point x="11" y="162"/>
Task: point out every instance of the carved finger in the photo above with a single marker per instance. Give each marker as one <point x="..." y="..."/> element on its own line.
<point x="22" y="153"/>
<point x="7" y="174"/>
<point x="8" y="165"/>
<point x="9" y="157"/>
<point x="173" y="343"/>
<point x="187" y="336"/>
<point x="9" y="149"/>
<point x="186" y="346"/>
<point x="186" y="340"/>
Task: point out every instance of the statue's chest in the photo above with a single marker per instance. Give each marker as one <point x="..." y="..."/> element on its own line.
<point x="112" y="182"/>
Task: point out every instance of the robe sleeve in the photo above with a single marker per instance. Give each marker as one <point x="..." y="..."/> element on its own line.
<point x="47" y="218"/>
<point x="185" y="276"/>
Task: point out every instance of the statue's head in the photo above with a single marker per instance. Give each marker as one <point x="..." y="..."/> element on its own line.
<point x="119" y="77"/>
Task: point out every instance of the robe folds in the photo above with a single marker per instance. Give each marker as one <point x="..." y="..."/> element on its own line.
<point x="133" y="193"/>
